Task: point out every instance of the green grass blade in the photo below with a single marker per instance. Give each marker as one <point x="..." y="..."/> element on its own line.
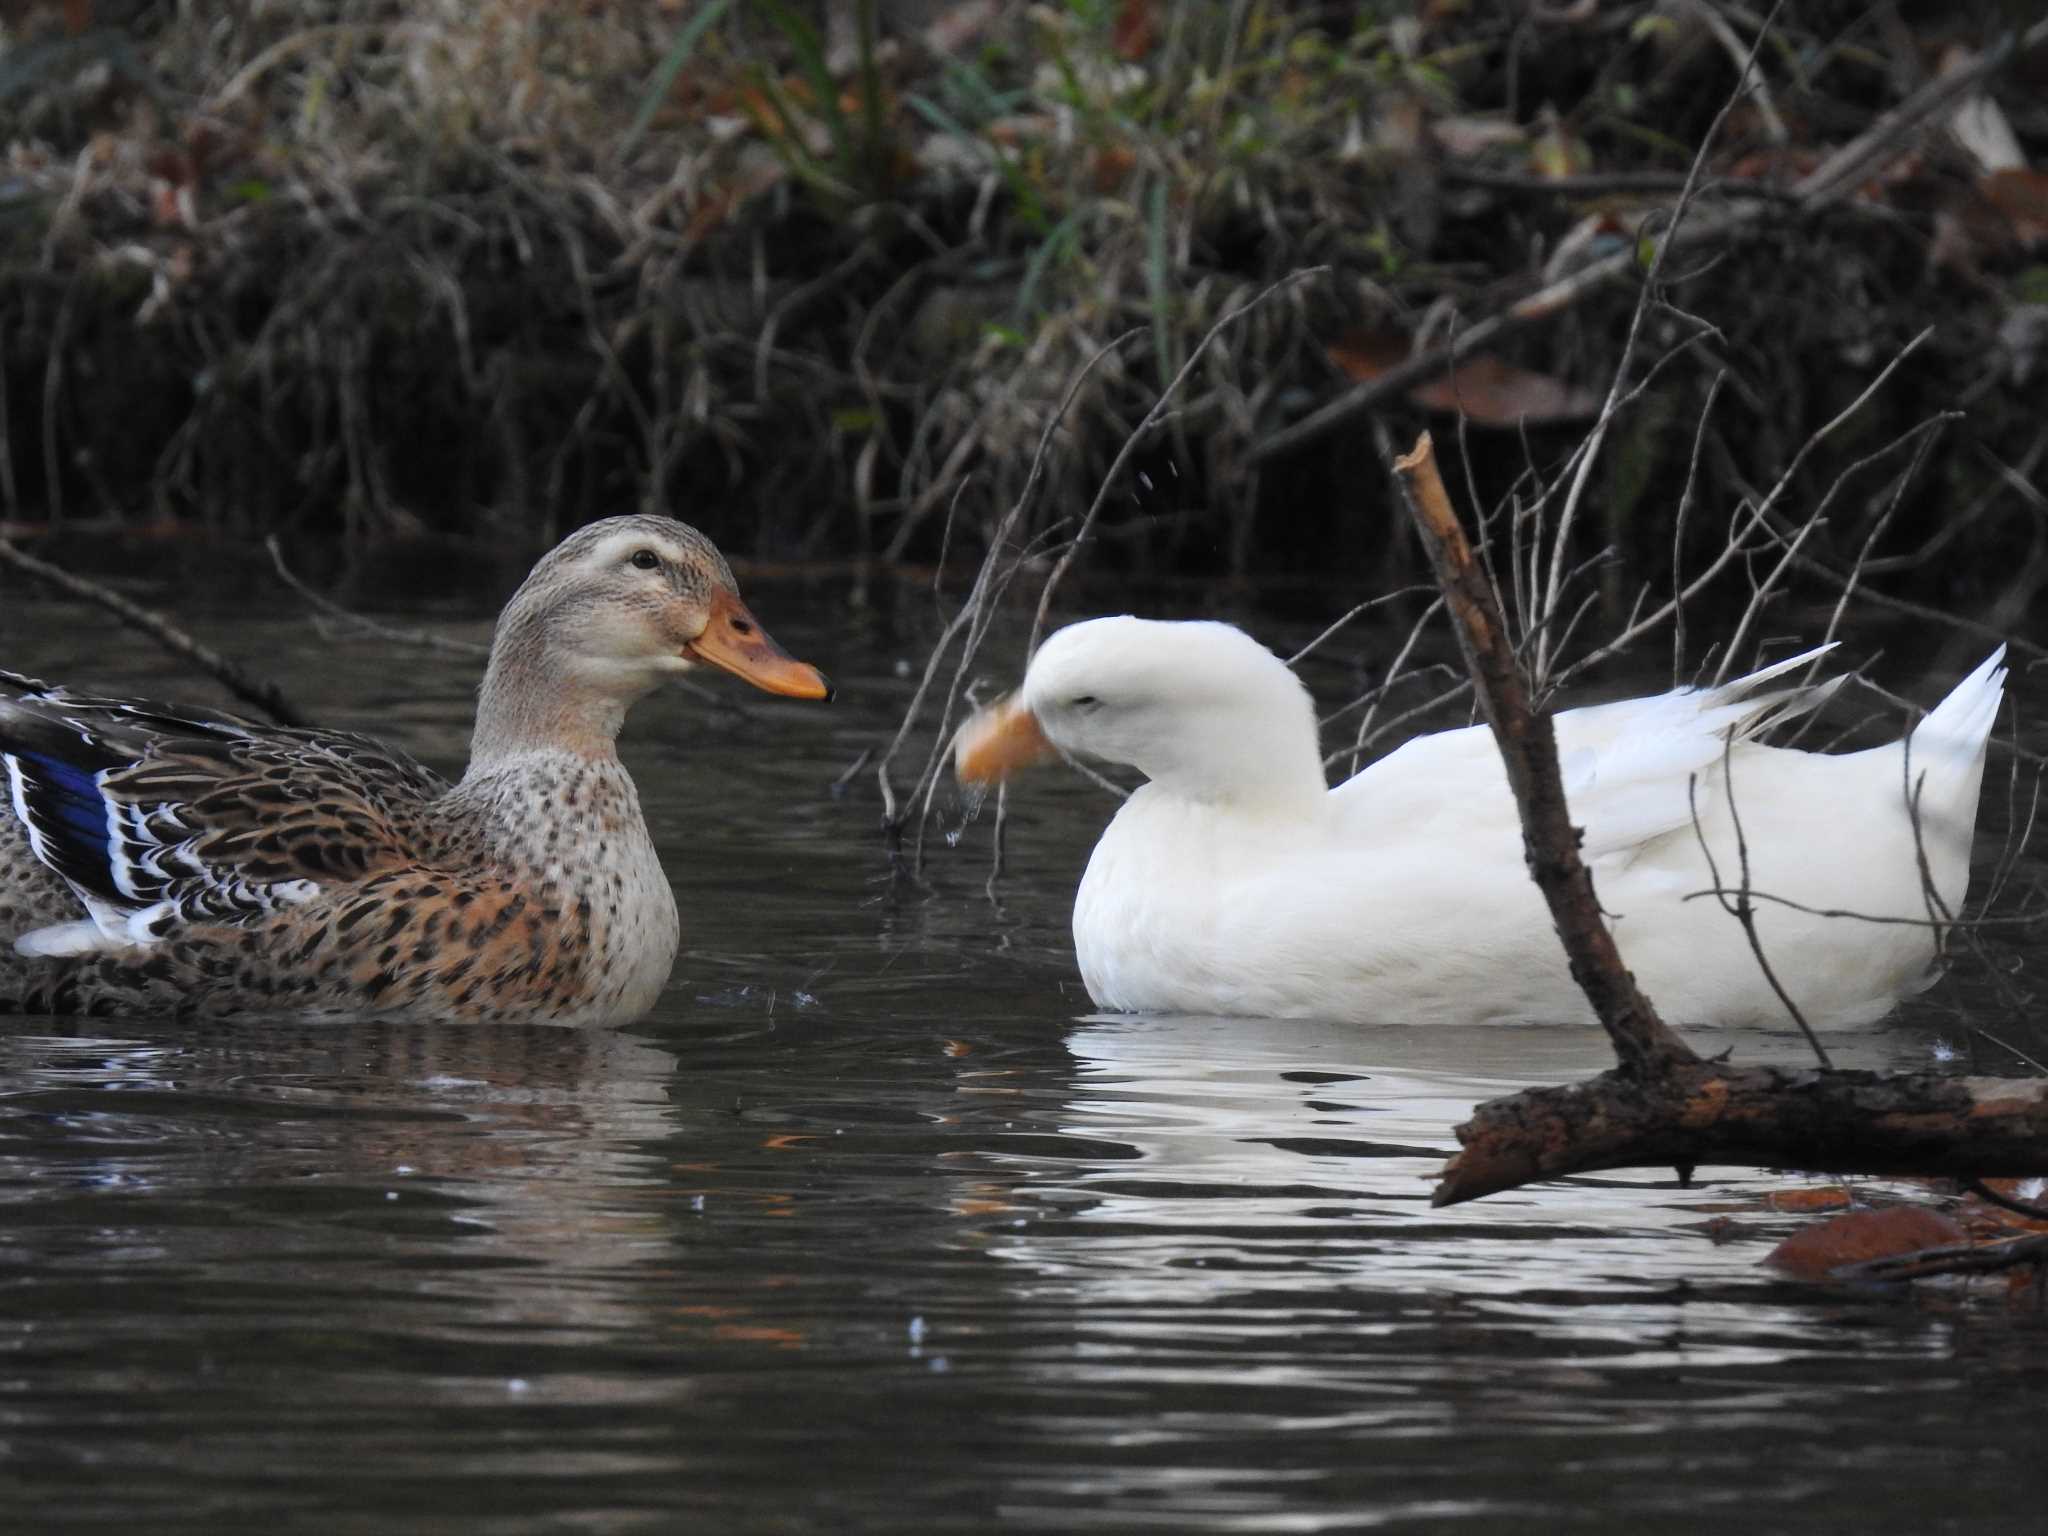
<point x="672" y="64"/>
<point x="1051" y="249"/>
<point x="1158" y="281"/>
<point x="876" y="148"/>
<point x="810" y="59"/>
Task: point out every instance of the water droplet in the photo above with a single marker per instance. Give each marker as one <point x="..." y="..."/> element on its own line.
<point x="972" y="797"/>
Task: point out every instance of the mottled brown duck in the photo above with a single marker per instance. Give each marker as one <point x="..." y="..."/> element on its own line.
<point x="174" y="862"/>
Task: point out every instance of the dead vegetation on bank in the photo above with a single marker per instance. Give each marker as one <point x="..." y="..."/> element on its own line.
<point x="819" y="277"/>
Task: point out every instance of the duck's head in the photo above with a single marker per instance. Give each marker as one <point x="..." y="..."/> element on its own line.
<point x="1198" y="707"/>
<point x="609" y="614"/>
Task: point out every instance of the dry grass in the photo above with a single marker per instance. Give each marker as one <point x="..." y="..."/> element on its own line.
<point x="504" y="265"/>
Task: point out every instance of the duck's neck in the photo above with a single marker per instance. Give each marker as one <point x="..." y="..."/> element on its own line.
<point x="532" y="701"/>
<point x="1271" y="766"/>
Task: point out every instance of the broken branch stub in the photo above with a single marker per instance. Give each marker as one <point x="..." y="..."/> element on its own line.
<point x="1663" y="1105"/>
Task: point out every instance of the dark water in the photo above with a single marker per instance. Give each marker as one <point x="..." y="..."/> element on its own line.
<point x="870" y="1229"/>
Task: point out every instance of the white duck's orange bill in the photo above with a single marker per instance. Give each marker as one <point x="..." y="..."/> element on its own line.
<point x="999" y="741"/>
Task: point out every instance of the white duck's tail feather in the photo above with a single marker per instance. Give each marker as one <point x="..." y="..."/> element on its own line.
<point x="1724" y="692"/>
<point x="1730" y="708"/>
<point x="1945" y="754"/>
<point x="1786" y="705"/>
<point x="1958" y="728"/>
<point x="1629" y="767"/>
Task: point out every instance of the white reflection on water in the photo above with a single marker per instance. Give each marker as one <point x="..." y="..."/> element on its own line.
<point x="1279" y="1157"/>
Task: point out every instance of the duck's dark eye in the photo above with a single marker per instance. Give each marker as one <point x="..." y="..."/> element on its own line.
<point x="646" y="560"/>
<point x="1085" y="702"/>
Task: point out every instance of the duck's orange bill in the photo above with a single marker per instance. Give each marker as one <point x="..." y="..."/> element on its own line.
<point x="998" y="742"/>
<point x="735" y="641"/>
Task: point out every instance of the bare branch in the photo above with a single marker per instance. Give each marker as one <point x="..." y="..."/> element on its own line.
<point x="260" y="692"/>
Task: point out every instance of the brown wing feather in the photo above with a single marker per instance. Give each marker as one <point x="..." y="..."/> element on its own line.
<point x="318" y="806"/>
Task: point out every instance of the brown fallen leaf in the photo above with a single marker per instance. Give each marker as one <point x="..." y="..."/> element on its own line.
<point x="719" y="202"/>
<point x="1498" y="394"/>
<point x="1489" y="392"/>
<point x="1824" y="1197"/>
<point x="1815" y="1252"/>
<point x="1780" y="165"/>
<point x="2022" y="196"/>
<point x="1991" y="221"/>
<point x="1111" y="167"/>
<point x="1136" y="29"/>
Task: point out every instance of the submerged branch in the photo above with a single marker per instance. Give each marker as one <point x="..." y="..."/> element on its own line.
<point x="1768" y="1117"/>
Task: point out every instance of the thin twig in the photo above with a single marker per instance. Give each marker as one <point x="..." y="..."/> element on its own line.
<point x="1140" y="433"/>
<point x="1742" y="909"/>
<point x="1589" y="449"/>
<point x="260" y="692"/>
<point x="1955" y="1259"/>
<point x="986" y="581"/>
<point x="1991" y="1196"/>
<point x="425" y="639"/>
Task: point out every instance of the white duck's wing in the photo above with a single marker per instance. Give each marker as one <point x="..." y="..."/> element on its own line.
<point x="1445" y="780"/>
<point x="1629" y="768"/>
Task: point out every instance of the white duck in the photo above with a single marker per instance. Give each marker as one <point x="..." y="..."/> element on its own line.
<point x="1237" y="881"/>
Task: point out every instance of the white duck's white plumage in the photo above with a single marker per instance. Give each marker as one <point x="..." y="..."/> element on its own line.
<point x="1236" y="882"/>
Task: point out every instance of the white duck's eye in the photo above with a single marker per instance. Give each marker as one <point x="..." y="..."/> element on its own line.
<point x="1084" y="703"/>
<point x="646" y="560"/>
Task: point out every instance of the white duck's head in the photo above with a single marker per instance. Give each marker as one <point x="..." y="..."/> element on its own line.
<point x="1200" y="708"/>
